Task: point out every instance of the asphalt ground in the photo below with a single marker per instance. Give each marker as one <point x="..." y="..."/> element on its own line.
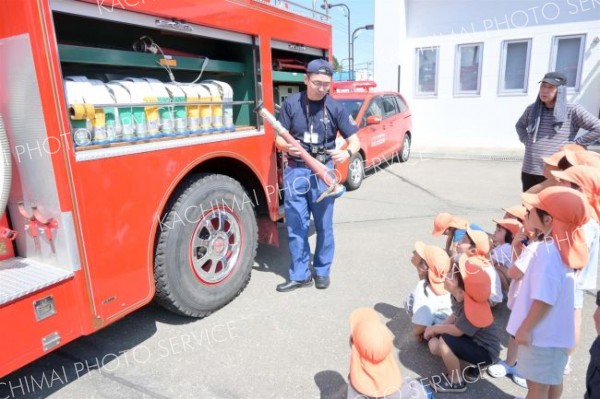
<point x="267" y="344"/>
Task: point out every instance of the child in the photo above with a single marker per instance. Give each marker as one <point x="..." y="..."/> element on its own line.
<point x="515" y="212"/>
<point x="501" y="254"/>
<point x="579" y="156"/>
<point x="374" y="372"/>
<point x="448" y="225"/>
<point x="560" y="160"/>
<point x="521" y="254"/>
<point x="570" y="154"/>
<point x="469" y="333"/>
<point x="454" y="228"/>
<point x="551" y="164"/>
<point x="429" y="303"/>
<point x="585" y="179"/>
<point x="542" y="318"/>
<point x="518" y="212"/>
<point x="477" y="244"/>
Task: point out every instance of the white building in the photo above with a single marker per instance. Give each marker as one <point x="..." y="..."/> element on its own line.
<point x="470" y="67"/>
<point x="363" y="74"/>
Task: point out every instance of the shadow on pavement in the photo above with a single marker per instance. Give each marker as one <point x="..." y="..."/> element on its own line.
<point x="109" y="350"/>
<point x="415" y="356"/>
<point x="274" y="259"/>
<point x="331" y="385"/>
<point x="277" y="259"/>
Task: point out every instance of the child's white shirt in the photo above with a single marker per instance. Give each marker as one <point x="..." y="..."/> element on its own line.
<point x="502" y="254"/>
<point x="549" y="280"/>
<point x="587" y="277"/>
<point x="521" y="263"/>
<point x="429" y="309"/>
<point x="496" y="295"/>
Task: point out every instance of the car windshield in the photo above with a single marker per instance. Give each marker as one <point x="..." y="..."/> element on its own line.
<point x="352" y="106"/>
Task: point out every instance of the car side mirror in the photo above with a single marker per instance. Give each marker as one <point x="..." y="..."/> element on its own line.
<point x="373" y="120"/>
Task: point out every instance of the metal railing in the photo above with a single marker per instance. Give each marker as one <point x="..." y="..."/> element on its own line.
<point x="298" y="9"/>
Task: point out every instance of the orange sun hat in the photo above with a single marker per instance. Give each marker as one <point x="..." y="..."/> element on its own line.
<point x="588" y="178"/>
<point x="361" y="314"/>
<point x="512" y="225"/>
<point x="438" y="265"/>
<point x="517" y="211"/>
<point x="478" y="287"/>
<point x="445" y="220"/>
<point x="554" y="159"/>
<point x="569" y="210"/>
<point x="373" y="368"/>
<point x="584" y="157"/>
<point x="481" y="240"/>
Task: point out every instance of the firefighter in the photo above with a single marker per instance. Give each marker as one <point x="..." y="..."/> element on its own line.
<point x="313" y="118"/>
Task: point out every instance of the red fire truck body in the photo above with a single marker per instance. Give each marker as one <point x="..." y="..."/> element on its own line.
<point x="104" y="226"/>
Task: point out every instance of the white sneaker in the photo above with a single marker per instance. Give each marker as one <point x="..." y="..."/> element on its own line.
<point x="567" y="370"/>
<point x="517" y="379"/>
<point x="500" y="369"/>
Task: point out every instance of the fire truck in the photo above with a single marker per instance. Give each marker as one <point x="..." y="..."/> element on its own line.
<point x="134" y="167"/>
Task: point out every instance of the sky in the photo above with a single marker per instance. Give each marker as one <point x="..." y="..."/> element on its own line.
<point x="361" y="14"/>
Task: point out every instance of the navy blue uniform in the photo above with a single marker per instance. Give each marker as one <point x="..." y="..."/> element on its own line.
<point x="302" y="188"/>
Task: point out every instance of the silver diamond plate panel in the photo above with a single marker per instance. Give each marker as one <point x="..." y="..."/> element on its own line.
<point x="20" y="277"/>
<point x="33" y="179"/>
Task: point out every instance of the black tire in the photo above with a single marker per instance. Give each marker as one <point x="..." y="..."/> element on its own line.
<point x="356" y="172"/>
<point x="207" y="226"/>
<point x="405" y="148"/>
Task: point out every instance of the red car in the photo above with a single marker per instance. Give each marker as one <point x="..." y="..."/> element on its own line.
<point x="385" y="132"/>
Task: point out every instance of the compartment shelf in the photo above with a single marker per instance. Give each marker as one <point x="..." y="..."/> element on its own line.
<point x="289" y="77"/>
<point x="95" y="152"/>
<point x="122" y="58"/>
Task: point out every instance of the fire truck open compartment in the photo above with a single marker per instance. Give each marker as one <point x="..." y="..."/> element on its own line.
<point x="289" y="66"/>
<point x="100" y="230"/>
<point x="111" y="57"/>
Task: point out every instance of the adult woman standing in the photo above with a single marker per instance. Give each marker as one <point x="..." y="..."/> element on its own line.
<point x="550" y="123"/>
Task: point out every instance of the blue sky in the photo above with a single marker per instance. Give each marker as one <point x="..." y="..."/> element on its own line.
<point x="361" y="14"/>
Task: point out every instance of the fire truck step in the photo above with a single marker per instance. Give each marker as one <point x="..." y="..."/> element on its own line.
<point x="23" y="276"/>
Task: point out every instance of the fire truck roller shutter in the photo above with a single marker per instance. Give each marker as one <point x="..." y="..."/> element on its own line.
<point x="207" y="241"/>
<point x="5" y="167"/>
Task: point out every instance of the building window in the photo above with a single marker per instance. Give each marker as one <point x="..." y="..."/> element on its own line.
<point x="467" y="79"/>
<point x="567" y="57"/>
<point x="427" y="64"/>
<point x="514" y="71"/>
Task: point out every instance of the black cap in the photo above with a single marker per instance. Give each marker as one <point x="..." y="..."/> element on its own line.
<point x="554" y="78"/>
<point x="319" y="66"/>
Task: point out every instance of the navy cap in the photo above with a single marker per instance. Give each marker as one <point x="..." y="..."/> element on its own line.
<point x="319" y="66"/>
<point x="554" y="78"/>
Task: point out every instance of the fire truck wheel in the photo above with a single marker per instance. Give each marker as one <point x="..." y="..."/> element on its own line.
<point x="356" y="172"/>
<point x="206" y="245"/>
